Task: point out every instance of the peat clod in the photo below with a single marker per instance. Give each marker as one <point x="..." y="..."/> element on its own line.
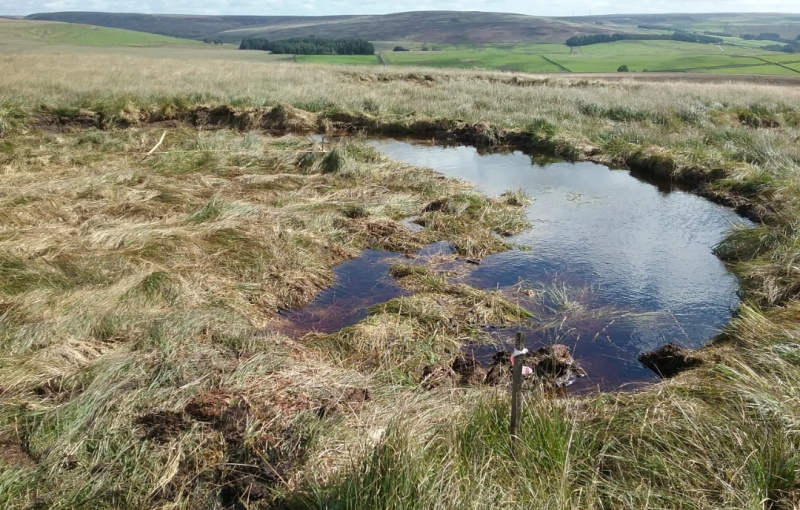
<point x="669" y="360"/>
<point x="500" y="370"/>
<point x="252" y="468"/>
<point x="161" y="426"/>
<point x="468" y="370"/>
<point x="15" y="455"/>
<point x="351" y="399"/>
<point x="58" y="122"/>
<point x="434" y="376"/>
<point x="225" y="412"/>
<point x="287" y="119"/>
<point x="553" y="366"/>
<point x="222" y="115"/>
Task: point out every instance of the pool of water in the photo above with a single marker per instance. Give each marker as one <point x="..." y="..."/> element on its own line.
<point x="612" y="266"/>
<point x="637" y="253"/>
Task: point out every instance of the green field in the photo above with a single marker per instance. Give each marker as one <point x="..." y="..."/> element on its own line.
<point x="350" y="60"/>
<point x="639" y="56"/>
<point x="42" y="37"/>
<point x="55" y="33"/>
<point x="787" y="25"/>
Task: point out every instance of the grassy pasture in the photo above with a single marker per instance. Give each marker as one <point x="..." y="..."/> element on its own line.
<point x="55" y="33"/>
<point x="605" y="58"/>
<point x="788" y="25"/>
<point x="519" y="57"/>
<point x="47" y="37"/>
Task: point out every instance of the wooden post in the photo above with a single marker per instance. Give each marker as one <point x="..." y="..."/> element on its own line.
<point x="516" y="391"/>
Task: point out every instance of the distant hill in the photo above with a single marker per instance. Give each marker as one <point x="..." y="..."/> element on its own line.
<point x="428" y="26"/>
<point x="179" y="25"/>
<point x="736" y="24"/>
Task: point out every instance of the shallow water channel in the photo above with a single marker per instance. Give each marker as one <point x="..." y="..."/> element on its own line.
<point x="617" y="265"/>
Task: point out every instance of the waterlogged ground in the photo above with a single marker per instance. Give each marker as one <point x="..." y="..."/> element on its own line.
<point x="612" y="266"/>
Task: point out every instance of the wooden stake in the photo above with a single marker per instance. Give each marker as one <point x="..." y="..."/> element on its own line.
<point x="516" y="390"/>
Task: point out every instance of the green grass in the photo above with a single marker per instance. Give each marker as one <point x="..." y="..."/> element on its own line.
<point x="363" y="60"/>
<point x="605" y="58"/>
<point x="519" y="59"/>
<point x="54" y="33"/>
<point x="792" y="58"/>
<point x="654" y="56"/>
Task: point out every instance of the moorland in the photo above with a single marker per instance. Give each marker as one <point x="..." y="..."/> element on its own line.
<point x="162" y="204"/>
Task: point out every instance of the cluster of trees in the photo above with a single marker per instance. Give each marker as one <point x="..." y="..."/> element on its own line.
<point x="310" y="46"/>
<point x="718" y="34"/>
<point x="792" y="47"/>
<point x="763" y="36"/>
<point x="214" y="41"/>
<point x="789" y="46"/>
<point x="657" y="27"/>
<point x="680" y="35"/>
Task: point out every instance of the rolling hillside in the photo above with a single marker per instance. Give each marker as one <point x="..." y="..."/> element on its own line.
<point x="735" y="24"/>
<point x="25" y="33"/>
<point x="451" y="27"/>
<point x="429" y="26"/>
<point x="177" y="25"/>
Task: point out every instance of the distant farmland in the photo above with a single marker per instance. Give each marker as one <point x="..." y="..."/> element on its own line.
<point x="638" y="56"/>
<point x="734" y="56"/>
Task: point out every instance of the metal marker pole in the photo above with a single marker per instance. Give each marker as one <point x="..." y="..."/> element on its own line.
<point x="516" y="390"/>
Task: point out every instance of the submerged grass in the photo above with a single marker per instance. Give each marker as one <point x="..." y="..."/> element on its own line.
<point x="141" y="363"/>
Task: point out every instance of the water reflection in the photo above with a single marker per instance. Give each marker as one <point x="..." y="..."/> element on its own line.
<point x="643" y="248"/>
<point x="360" y="283"/>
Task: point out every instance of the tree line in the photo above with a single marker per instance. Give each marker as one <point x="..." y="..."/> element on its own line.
<point x="789" y="46"/>
<point x="792" y="47"/>
<point x="679" y="35"/>
<point x="310" y="46"/>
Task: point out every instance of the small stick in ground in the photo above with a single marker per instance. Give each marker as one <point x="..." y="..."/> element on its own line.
<point x="516" y="389"/>
<point x="163" y="135"/>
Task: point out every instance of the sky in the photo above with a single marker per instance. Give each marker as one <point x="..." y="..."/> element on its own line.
<point x="332" y="7"/>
